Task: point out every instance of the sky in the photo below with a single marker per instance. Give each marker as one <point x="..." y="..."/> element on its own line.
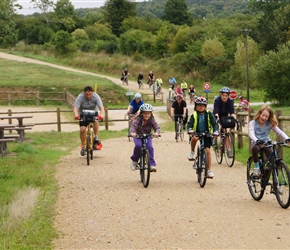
<point x="28" y="7"/>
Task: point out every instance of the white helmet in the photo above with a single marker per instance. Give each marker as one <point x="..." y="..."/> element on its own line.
<point x="146" y="107"/>
<point x="137" y="95"/>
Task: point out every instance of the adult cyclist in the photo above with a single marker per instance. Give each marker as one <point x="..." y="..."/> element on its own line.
<point x="133" y="108"/>
<point x="224" y="106"/>
<point x="88" y="100"/>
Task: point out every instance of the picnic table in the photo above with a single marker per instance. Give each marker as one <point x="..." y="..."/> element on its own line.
<point x="21" y="127"/>
<point x="3" y="140"/>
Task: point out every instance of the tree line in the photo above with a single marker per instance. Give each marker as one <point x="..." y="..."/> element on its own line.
<point x="202" y="40"/>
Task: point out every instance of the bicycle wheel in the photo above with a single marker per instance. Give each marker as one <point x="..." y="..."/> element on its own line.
<point x="92" y="148"/>
<point x="145" y="168"/>
<point x="88" y="139"/>
<point x="218" y="149"/>
<point x="129" y="125"/>
<point x="281" y="184"/>
<point x="181" y="132"/>
<point x="254" y="183"/>
<point x="202" y="167"/>
<point x="230" y="151"/>
<point x="177" y="133"/>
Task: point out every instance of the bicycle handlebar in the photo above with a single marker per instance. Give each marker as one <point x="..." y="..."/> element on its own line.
<point x="140" y="136"/>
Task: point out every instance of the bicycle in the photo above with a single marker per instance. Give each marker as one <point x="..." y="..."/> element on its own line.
<point x="90" y="116"/>
<point x="179" y="133"/>
<point x="130" y="119"/>
<point x="219" y="145"/>
<point x="144" y="160"/>
<point x="192" y="97"/>
<point x="140" y="84"/>
<point x="201" y="160"/>
<point x="125" y="79"/>
<point x="272" y="168"/>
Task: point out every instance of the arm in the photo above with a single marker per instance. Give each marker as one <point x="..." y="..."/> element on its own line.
<point x="190" y="123"/>
<point x="76" y="111"/>
<point x="213" y="122"/>
<point x="172" y="112"/>
<point x="102" y="111"/>
<point x="252" y="131"/>
<point x="129" y="110"/>
<point x="280" y="133"/>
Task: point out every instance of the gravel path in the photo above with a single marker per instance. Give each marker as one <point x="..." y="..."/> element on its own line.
<point x="104" y="205"/>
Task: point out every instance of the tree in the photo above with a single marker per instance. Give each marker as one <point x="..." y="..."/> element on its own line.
<point x="116" y="11"/>
<point x="273" y="75"/>
<point x="8" y="33"/>
<point x="44" y="6"/>
<point x="176" y="12"/>
<point x="64" y="43"/>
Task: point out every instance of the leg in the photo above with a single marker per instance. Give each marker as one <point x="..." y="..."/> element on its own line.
<point x="137" y="150"/>
<point x="96" y="128"/>
<point x="83" y="135"/>
<point x="151" y="152"/>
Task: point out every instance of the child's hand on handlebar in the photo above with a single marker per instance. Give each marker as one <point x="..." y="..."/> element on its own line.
<point x="133" y="134"/>
<point x="155" y="135"/>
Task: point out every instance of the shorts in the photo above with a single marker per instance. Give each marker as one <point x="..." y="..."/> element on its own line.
<point x="83" y="123"/>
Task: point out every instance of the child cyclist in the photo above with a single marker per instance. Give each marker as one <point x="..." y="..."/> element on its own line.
<point x="143" y="124"/>
<point x="259" y="130"/>
<point x="200" y="121"/>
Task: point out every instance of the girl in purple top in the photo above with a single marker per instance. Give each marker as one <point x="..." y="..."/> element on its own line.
<point x="143" y="124"/>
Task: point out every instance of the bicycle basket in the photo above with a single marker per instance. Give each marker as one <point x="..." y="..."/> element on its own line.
<point x="88" y="115"/>
<point x="228" y="122"/>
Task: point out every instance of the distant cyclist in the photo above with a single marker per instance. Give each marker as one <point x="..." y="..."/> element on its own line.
<point x="88" y="100"/>
<point x="183" y="86"/>
<point x="151" y="78"/>
<point x="140" y="78"/>
<point x="133" y="108"/>
<point x="224" y="106"/>
<point x="191" y="92"/>
<point x="179" y="108"/>
<point x="172" y="82"/>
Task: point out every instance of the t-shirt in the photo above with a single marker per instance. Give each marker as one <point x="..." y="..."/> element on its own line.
<point x="178" y="109"/>
<point x="135" y="106"/>
<point x="93" y="104"/>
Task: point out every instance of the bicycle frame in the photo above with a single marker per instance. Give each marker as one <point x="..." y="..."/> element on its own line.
<point x="179" y="128"/>
<point x="271" y="166"/>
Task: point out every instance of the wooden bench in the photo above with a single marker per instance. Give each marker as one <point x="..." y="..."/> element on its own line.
<point x="3" y="145"/>
<point x="20" y="131"/>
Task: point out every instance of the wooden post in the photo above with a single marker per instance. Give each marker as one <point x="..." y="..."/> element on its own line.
<point x="10" y="120"/>
<point x="58" y="120"/>
<point x="106" y="119"/>
<point x="251" y="116"/>
<point x="279" y="113"/>
<point x="37" y="98"/>
<point x="239" y="136"/>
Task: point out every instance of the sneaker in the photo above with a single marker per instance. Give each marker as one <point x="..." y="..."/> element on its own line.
<point x="83" y="151"/>
<point x="210" y="174"/>
<point x="257" y="172"/>
<point x="153" y="169"/>
<point x="133" y="165"/>
<point x="230" y="154"/>
<point x="191" y="156"/>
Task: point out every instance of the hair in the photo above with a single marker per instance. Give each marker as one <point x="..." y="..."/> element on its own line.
<point x="88" y="88"/>
<point x="271" y="118"/>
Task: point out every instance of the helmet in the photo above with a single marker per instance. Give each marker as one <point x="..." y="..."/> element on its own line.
<point x="201" y="100"/>
<point x="146" y="107"/>
<point x="225" y="90"/>
<point x="137" y="95"/>
<point x="241" y="97"/>
<point x="179" y="96"/>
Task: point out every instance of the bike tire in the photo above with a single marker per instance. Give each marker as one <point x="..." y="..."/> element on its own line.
<point x="177" y="133"/>
<point x="88" y="140"/>
<point x="202" y="167"/>
<point x="282" y="180"/>
<point x="181" y="132"/>
<point x="230" y="160"/>
<point x="145" y="168"/>
<point x="254" y="184"/>
<point x="218" y="149"/>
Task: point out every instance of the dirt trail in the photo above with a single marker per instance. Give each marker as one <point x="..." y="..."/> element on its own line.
<point x="104" y="205"/>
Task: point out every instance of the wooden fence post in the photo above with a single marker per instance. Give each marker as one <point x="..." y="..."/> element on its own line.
<point x="106" y="119"/>
<point x="239" y="135"/>
<point x="58" y="120"/>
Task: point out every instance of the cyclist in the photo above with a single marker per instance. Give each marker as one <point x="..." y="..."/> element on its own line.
<point x="88" y="100"/>
<point x="201" y="121"/>
<point x="159" y="83"/>
<point x="143" y="124"/>
<point x="125" y="74"/>
<point x="135" y="104"/>
<point x="172" y="82"/>
<point x="151" y="78"/>
<point x="224" y="106"/>
<point x="140" y="78"/>
<point x="179" y="107"/>
<point x="243" y="104"/>
<point x="259" y="130"/>
<point x="178" y="90"/>
<point x="191" y="92"/>
<point x="183" y="86"/>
